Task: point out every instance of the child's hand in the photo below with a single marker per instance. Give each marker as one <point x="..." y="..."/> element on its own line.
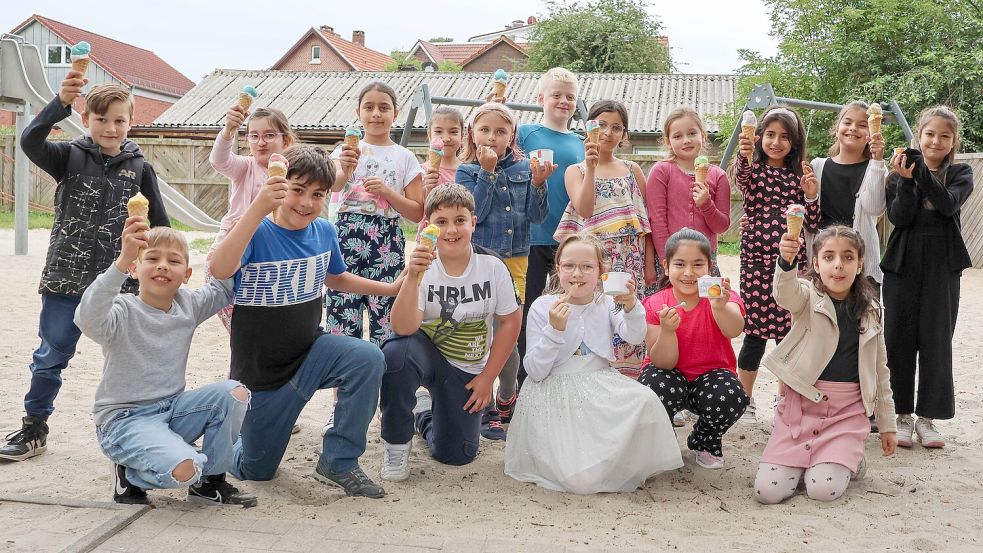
<point x="348" y="159"/>
<point x="889" y="442"/>
<point x="419" y="261"/>
<point x="809" y="182"/>
<point x="669" y="318"/>
<point x="898" y="163"/>
<point x="746" y="147"/>
<point x="628" y="300"/>
<point x="490" y="97"/>
<point x="701" y="194"/>
<point x="133" y="239"/>
<point x="481" y="393"/>
<point x="487" y="158"/>
<point x="789" y="247"/>
<point x="591" y="156"/>
<point x="651" y="275"/>
<point x="272" y="194"/>
<point x="721" y="302"/>
<point x="742" y="224"/>
<point x="541" y="172"/>
<point x="71" y="87"/>
<point x="876" y="146"/>
<point x="430" y="181"/>
<point x="559" y="314"/>
<point x="377" y="187"/>
<point x="234" y="119"/>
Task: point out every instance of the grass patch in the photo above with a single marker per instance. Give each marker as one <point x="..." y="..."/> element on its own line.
<point x="729" y="248"/>
<point x="201" y="245"/>
<point x="35" y="219"/>
<point x="409" y="230"/>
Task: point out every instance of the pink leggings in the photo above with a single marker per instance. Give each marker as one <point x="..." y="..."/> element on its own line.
<point x="824" y="482"/>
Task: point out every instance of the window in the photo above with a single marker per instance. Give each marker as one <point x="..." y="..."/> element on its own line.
<point x="315" y="54"/>
<point x="59" y="54"/>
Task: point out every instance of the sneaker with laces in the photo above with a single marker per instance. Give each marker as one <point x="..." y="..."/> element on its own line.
<point x="396" y="461"/>
<point x="216" y="491"/>
<point x="906" y="428"/>
<point x="354" y="482"/>
<point x="491" y="426"/>
<point x="505" y="408"/>
<point x="328" y="425"/>
<point x="124" y="492"/>
<point x="708" y="460"/>
<point x="928" y="436"/>
<point x="751" y="413"/>
<point x="30" y="441"/>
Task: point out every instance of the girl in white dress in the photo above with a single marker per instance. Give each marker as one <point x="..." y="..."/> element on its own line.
<point x="581" y="426"/>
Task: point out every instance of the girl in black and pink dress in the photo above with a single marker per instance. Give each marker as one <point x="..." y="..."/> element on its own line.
<point x="769" y="183"/>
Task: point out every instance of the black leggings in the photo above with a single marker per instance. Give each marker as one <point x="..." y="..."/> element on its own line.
<point x="540" y="268"/>
<point x="717" y="397"/>
<point x="752" y="350"/>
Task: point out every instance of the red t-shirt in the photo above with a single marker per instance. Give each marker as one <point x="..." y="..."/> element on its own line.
<point x="702" y="347"/>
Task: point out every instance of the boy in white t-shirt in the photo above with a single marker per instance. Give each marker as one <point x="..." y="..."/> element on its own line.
<point x="444" y="340"/>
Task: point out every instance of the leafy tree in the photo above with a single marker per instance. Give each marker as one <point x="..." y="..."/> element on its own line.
<point x="918" y="52"/>
<point x="602" y="36"/>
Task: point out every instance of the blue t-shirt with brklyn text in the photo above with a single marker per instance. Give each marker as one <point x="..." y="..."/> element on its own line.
<point x="278" y="300"/>
<point x="568" y="149"/>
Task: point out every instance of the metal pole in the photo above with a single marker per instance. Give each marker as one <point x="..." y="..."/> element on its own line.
<point x="902" y="122"/>
<point x="21" y="177"/>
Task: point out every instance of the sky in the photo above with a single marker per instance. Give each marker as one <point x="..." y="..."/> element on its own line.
<point x="197" y="37"/>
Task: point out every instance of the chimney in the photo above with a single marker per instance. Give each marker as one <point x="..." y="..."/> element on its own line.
<point x="532" y="20"/>
<point x="358" y="37"/>
<point x="328" y="29"/>
<point x="518" y="23"/>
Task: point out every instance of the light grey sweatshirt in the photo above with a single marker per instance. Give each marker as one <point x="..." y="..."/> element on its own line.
<point x="145" y="349"/>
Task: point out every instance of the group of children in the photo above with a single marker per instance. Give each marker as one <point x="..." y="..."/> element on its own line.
<point x="511" y="292"/>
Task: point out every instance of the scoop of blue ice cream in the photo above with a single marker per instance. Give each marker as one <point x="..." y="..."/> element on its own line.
<point x="250" y="91"/>
<point x="501" y="75"/>
<point x="81" y="49"/>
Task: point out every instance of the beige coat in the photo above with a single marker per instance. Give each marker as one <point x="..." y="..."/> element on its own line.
<point x="806" y="350"/>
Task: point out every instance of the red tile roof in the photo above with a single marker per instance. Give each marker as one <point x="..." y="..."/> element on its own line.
<point x="132" y="65"/>
<point x="358" y="57"/>
<point x="459" y="52"/>
<point x="521" y="48"/>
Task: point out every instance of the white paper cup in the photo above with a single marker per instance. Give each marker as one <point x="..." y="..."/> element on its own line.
<point x="616" y="283"/>
<point x="710" y="287"/>
<point x="544" y="156"/>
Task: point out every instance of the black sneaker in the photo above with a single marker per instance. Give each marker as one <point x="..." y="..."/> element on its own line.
<point x="124" y="492"/>
<point x="491" y="426"/>
<point x="30" y="441"/>
<point x="355" y="483"/>
<point x="216" y="491"/>
<point x="505" y="408"/>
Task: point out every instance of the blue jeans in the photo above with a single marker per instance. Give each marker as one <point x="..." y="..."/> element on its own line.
<point x="353" y="366"/>
<point x="151" y="440"/>
<point x="59" y="336"/>
<point x="451" y="432"/>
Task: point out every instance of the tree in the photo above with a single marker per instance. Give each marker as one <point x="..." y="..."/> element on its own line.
<point x="919" y="52"/>
<point x="402" y="62"/>
<point x="602" y="36"/>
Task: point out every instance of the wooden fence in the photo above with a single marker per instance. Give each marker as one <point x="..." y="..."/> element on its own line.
<point x="184" y="165"/>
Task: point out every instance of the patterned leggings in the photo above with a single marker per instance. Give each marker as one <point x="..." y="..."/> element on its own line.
<point x="717" y="397"/>
<point x="373" y="249"/>
<point x="627" y="254"/>
<point x="776" y="483"/>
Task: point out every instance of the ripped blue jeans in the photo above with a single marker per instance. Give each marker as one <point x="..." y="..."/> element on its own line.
<point x="151" y="440"/>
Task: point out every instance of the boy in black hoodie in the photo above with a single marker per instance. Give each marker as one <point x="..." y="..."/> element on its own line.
<point x="96" y="176"/>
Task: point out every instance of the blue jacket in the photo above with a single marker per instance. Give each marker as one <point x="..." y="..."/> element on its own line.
<point x="506" y="203"/>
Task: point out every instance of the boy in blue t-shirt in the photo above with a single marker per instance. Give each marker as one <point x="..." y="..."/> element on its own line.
<point x="558" y="96"/>
<point x="278" y="348"/>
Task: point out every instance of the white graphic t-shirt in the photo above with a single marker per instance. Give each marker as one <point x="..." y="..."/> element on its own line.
<point x="394" y="164"/>
<point x="458" y="312"/>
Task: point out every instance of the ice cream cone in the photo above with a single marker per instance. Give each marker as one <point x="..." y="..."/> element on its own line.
<point x="246" y="97"/>
<point x="80" y="57"/>
<point x="435" y="153"/>
<point x="499" y="89"/>
<point x="352" y="137"/>
<point x="874" y="116"/>
<point x="747" y="131"/>
<point x="427" y="237"/>
<point x="701" y="168"/>
<point x="593" y="131"/>
<point x="498" y="85"/>
<point x="81" y="65"/>
<point x="794" y="218"/>
<point x="276" y="167"/>
<point x="749" y="124"/>
<point x="138" y="206"/>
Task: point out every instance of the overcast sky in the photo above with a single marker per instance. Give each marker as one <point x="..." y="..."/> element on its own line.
<point x="199" y="36"/>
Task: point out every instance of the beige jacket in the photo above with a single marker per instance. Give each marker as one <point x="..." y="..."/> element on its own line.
<point x="806" y="350"/>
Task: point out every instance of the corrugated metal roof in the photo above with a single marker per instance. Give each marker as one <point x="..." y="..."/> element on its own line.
<point x="326" y="100"/>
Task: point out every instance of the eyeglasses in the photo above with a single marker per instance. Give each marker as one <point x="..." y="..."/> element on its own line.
<point x="615" y="128"/>
<point x="584" y="268"/>
<point x="253" y="137"/>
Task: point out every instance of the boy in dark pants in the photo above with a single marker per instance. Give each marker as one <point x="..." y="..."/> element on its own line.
<point x="96" y="176"/>
<point x="443" y="319"/>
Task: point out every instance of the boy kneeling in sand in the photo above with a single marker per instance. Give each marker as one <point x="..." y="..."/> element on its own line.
<point x="146" y="421"/>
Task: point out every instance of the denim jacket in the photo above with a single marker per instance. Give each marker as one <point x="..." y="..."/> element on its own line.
<point x="506" y="203"/>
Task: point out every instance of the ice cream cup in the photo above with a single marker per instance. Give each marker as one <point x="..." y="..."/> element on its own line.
<point x="616" y="283"/>
<point x="899" y="151"/>
<point x="544" y="156"/>
<point x="710" y="286"/>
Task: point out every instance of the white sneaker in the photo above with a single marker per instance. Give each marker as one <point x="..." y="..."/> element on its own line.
<point x="423" y="402"/>
<point x="927" y="434"/>
<point x="861" y="469"/>
<point x="708" y="460"/>
<point x="905" y="429"/>
<point x="396" y="461"/>
<point x="751" y="413"/>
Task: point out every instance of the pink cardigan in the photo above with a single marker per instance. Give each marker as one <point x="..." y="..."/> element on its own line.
<point x="669" y="195"/>
<point x="247" y="176"/>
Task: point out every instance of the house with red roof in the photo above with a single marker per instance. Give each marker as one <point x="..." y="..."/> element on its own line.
<point x="155" y="84"/>
<point x="322" y="49"/>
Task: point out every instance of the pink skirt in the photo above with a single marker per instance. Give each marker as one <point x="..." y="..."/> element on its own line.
<point x="830" y="431"/>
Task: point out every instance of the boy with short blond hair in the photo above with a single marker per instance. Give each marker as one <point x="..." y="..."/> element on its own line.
<point x="146" y="421"/>
<point x="558" y="93"/>
<point x="96" y="175"/>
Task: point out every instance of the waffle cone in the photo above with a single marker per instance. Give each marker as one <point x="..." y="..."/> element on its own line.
<point x="701" y="174"/>
<point x="794" y="225"/>
<point x="81" y="65"/>
<point x="433" y="158"/>
<point x="430" y="245"/>
<point x="594" y="135"/>
<point x="499" y="90"/>
<point x="245" y="100"/>
<point x="747" y="131"/>
<point x="352" y="141"/>
<point x="874" y="123"/>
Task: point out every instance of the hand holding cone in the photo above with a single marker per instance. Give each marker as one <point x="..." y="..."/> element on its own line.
<point x="501" y="78"/>
<point x="874" y="116"/>
<point x="749" y="124"/>
<point x="138" y="206"/>
<point x="428" y="238"/>
<point x="246" y="97"/>
<point x="436" y="153"/>
<point x="277" y="167"/>
<point x="701" y="167"/>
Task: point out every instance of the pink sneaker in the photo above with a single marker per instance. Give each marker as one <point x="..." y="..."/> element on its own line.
<point x="708" y="460"/>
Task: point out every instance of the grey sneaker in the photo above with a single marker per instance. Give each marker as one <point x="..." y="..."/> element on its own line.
<point x="906" y="427"/>
<point x="861" y="469"/>
<point x="928" y="436"/>
<point x="423" y="402"/>
<point x="751" y="413"/>
<point x="396" y="461"/>
<point x="354" y="482"/>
